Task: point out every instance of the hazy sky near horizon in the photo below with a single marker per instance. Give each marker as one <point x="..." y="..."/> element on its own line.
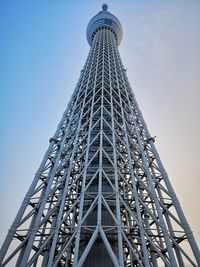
<point x="43" y="47"/>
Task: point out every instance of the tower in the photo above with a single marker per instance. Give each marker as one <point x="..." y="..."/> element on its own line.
<point x="101" y="195"/>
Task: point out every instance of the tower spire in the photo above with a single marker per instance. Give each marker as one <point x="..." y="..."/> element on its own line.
<point x="104" y="7"/>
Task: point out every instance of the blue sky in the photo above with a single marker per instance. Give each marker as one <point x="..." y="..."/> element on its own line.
<point x="42" y="50"/>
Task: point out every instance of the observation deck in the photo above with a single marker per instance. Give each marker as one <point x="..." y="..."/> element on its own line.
<point x="104" y="19"/>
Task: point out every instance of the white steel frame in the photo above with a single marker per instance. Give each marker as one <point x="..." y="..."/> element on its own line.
<point x="101" y="193"/>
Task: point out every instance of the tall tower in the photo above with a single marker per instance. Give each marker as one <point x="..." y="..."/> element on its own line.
<point x="101" y="196"/>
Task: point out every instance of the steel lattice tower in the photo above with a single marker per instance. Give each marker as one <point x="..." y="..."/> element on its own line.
<point x="101" y="196"/>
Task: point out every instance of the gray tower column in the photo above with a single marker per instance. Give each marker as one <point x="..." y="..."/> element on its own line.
<point x="101" y="196"/>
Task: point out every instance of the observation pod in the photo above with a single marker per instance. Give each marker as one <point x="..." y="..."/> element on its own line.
<point x="101" y="196"/>
<point x="104" y="20"/>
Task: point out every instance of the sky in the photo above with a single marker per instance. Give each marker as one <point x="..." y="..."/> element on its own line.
<point x="43" y="47"/>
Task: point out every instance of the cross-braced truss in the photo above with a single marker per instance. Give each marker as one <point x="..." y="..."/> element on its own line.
<point x="101" y="196"/>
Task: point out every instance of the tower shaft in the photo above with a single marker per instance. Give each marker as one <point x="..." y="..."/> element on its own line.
<point x="101" y="196"/>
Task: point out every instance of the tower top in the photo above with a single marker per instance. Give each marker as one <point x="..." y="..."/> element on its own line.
<point x="104" y="7"/>
<point x="104" y="19"/>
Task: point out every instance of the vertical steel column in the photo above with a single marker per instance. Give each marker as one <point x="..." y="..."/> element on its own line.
<point x="120" y="245"/>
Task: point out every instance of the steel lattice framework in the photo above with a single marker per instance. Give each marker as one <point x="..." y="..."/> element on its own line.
<point x="101" y="196"/>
